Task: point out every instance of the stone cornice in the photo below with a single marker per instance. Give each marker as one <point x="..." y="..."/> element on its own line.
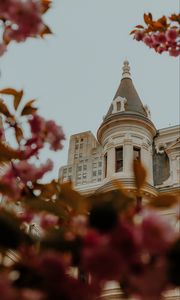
<point x="131" y="118"/>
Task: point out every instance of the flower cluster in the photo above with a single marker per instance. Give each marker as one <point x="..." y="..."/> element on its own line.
<point x="22" y="19"/>
<point x="132" y="254"/>
<point x="159" y="35"/>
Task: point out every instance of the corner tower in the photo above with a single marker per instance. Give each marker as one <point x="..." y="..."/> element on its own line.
<point x="126" y="132"/>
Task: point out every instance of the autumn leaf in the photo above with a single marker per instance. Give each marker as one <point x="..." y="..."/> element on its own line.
<point x="133" y="31"/>
<point x="148" y="19"/>
<point x="4" y="110"/>
<point x="71" y="197"/>
<point x="18" y="133"/>
<point x="140" y="26"/>
<point x="28" y="108"/>
<point x="175" y="18"/>
<point x="45" y="30"/>
<point x="37" y="204"/>
<point x="139" y="173"/>
<point x="17" y="99"/>
<point x="164" y="201"/>
<point x="45" y="5"/>
<point x="7" y="153"/>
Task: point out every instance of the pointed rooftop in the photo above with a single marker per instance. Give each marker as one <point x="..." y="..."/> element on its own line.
<point x="127" y="94"/>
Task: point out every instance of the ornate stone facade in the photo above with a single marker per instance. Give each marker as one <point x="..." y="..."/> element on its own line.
<point x="126" y="133"/>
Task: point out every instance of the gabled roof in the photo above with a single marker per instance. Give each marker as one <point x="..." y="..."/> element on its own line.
<point x="127" y="90"/>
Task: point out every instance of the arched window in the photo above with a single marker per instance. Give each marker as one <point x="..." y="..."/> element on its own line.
<point x="119" y="159"/>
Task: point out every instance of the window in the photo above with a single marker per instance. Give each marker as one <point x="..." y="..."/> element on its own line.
<point x="118" y="106"/>
<point x="99" y="172"/>
<point x="75" y="156"/>
<point x="81" y="146"/>
<point x="94" y="173"/>
<point x="136" y="153"/>
<point x="105" y="165"/>
<point x="70" y="170"/>
<point x="76" y="147"/>
<point x="84" y="167"/>
<point x="65" y="171"/>
<point x="84" y="175"/>
<point x="94" y="165"/>
<point x="81" y="140"/>
<point x="119" y="160"/>
<point x="100" y="163"/>
<point x="80" y="154"/>
<point x="79" y="168"/>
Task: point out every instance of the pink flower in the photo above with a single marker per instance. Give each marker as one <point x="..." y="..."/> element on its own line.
<point x="27" y="172"/>
<point x="12" y="188"/>
<point x="29" y="294"/>
<point x="37" y="125"/>
<point x="171" y="35"/>
<point x="6" y="290"/>
<point x="48" y="221"/>
<point x="148" y="40"/>
<point x="174" y="52"/>
<point x="139" y="35"/>
<point x="159" y="38"/>
<point x="157" y="234"/>
<point x="54" y="135"/>
<point x="46" y="131"/>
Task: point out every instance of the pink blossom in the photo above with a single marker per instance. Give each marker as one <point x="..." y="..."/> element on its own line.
<point x="46" y="131"/>
<point x="6" y="290"/>
<point x="54" y="135"/>
<point x="158" y="235"/>
<point x="174" y="52"/>
<point x="79" y="225"/>
<point x="150" y="282"/>
<point x="37" y="125"/>
<point x="48" y="221"/>
<point x="27" y="172"/>
<point x="158" y="38"/>
<point x="139" y="35"/>
<point x="29" y="294"/>
<point x="148" y="40"/>
<point x="12" y="188"/>
<point x="171" y="35"/>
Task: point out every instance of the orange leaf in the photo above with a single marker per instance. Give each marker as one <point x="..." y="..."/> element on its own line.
<point x="17" y="99"/>
<point x="4" y="110"/>
<point x="71" y="197"/>
<point x="28" y="108"/>
<point x="147" y="19"/>
<point x="46" y="30"/>
<point x="18" y="133"/>
<point x="7" y="153"/>
<point x="133" y="31"/>
<point x="164" y="201"/>
<point x="139" y="173"/>
<point x="45" y="5"/>
<point x="9" y="91"/>
<point x="140" y="26"/>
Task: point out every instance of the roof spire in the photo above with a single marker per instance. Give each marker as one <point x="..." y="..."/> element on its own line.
<point x="126" y="70"/>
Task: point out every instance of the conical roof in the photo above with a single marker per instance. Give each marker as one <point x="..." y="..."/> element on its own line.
<point x="127" y="90"/>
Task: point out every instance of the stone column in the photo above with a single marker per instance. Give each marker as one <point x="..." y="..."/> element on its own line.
<point x="110" y="160"/>
<point x="146" y="159"/>
<point x="127" y="157"/>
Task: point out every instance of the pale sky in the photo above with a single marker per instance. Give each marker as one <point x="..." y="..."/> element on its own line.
<point x="74" y="73"/>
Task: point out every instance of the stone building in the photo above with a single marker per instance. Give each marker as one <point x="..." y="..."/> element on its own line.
<point x="126" y="133"/>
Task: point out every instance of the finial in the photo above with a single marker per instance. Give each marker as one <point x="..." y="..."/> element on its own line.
<point x="126" y="70"/>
